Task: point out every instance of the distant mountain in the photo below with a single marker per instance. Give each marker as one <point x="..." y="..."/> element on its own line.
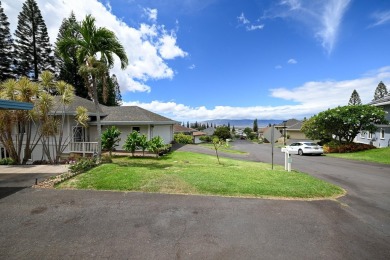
<point x="241" y="123"/>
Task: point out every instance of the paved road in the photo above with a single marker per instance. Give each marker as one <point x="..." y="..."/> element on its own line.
<point x="367" y="184"/>
<point x="57" y="224"/>
<point x="61" y="224"/>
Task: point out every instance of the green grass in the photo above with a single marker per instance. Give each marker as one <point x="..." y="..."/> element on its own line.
<point x="193" y="173"/>
<point x="380" y="155"/>
<point x="224" y="149"/>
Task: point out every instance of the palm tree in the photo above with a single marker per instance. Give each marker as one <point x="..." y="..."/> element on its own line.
<point x="95" y="53"/>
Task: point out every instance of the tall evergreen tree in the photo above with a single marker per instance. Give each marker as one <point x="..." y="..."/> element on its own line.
<point x="255" y="126"/>
<point x="116" y="90"/>
<point x="380" y="91"/>
<point x="113" y="93"/>
<point x="5" y="47"/>
<point x="188" y="124"/>
<point x="33" y="52"/>
<point x="68" y="68"/>
<point x="355" y="99"/>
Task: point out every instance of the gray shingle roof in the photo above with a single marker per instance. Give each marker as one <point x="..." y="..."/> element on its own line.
<point x="132" y="114"/>
<point x="382" y="101"/>
<point x="78" y="101"/>
<point x="181" y="129"/>
<point x="289" y="123"/>
<point x="296" y="126"/>
<point x="119" y="114"/>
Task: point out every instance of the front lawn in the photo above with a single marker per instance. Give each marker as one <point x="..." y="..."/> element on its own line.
<point x="380" y="155"/>
<point x="193" y="173"/>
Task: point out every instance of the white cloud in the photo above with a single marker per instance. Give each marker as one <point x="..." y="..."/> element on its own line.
<point x="254" y="27"/>
<point x="330" y="20"/>
<point x="168" y="48"/>
<point x="278" y="67"/>
<point x="293" y="4"/>
<point x="243" y="21"/>
<point x="147" y="46"/>
<point x="292" y="61"/>
<point x="109" y="7"/>
<point x="192" y="66"/>
<point x="151" y="14"/>
<point x="324" y="18"/>
<point x="311" y="98"/>
<point x="380" y="18"/>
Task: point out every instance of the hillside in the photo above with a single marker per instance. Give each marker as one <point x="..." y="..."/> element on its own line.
<point x="241" y="123"/>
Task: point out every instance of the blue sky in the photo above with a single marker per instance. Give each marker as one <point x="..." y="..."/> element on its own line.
<point x="198" y="60"/>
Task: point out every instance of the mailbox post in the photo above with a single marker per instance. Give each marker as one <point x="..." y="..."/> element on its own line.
<point x="287" y="161"/>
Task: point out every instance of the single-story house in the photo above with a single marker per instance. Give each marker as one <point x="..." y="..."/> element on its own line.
<point x="126" y="118"/>
<point x="177" y="129"/>
<point x="381" y="138"/>
<point x="197" y="135"/>
<point x="268" y="133"/>
<point x="189" y="131"/>
<point x="292" y="129"/>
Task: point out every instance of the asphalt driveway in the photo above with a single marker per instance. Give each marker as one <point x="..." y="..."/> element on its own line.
<point x="14" y="178"/>
<point x="73" y="224"/>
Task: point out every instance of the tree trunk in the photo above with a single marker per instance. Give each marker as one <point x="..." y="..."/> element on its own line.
<point x="99" y="125"/>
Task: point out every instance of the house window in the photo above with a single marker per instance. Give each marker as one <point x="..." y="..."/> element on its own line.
<point x="78" y="134"/>
<point x="3" y="153"/>
<point x="369" y="135"/>
<point x="382" y="133"/>
<point x="137" y="128"/>
<point x="363" y="135"/>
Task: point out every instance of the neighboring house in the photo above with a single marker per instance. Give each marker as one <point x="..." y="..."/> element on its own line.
<point x="292" y="129"/>
<point x="381" y="138"/>
<point x="267" y="134"/>
<point x="197" y="135"/>
<point x="189" y="131"/>
<point x="177" y="129"/>
<point x="209" y="131"/>
<point x="126" y="118"/>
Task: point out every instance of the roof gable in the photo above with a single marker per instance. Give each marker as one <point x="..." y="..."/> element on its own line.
<point x="381" y="102"/>
<point x="77" y="101"/>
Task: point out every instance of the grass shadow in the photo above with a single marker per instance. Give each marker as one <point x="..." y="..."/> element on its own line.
<point x="149" y="166"/>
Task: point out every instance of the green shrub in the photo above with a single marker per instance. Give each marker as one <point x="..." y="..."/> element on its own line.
<point x="157" y="146"/>
<point x="83" y="165"/>
<point x="206" y="138"/>
<point x="110" y="139"/>
<point x="183" y="139"/>
<point x="335" y="147"/>
<point x="7" y="161"/>
<point x="131" y="142"/>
